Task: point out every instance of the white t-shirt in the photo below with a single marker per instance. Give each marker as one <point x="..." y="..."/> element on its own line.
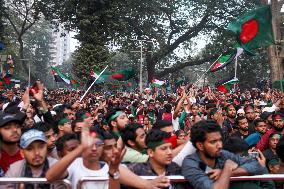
<point x="77" y="170"/>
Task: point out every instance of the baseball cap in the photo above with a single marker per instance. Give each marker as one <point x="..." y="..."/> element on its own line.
<point x="30" y="136"/>
<point x="6" y="118"/>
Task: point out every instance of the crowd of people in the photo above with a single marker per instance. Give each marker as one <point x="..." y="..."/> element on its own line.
<point x="199" y="133"/>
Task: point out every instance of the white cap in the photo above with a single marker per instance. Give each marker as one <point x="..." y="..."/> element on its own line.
<point x="269" y="109"/>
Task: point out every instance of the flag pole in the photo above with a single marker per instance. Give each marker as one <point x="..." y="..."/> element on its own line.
<point x="236" y="67"/>
<point x="208" y="69"/>
<point x="93" y="83"/>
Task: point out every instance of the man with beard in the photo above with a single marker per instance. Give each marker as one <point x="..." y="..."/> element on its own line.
<point x="133" y="136"/>
<point x="10" y="133"/>
<point x="277" y="126"/>
<point x="250" y="115"/>
<point x="117" y="120"/>
<point x="229" y="124"/>
<point x="212" y="167"/>
<point x="243" y="129"/>
<point x="33" y="145"/>
<point x="50" y="136"/>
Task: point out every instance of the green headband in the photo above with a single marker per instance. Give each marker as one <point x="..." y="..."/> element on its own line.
<point x="86" y="115"/>
<point x="64" y="120"/>
<point x="153" y="144"/>
<point x="279" y="135"/>
<point x="118" y="113"/>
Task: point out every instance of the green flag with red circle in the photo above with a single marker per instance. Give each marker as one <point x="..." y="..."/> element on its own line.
<point x="254" y="29"/>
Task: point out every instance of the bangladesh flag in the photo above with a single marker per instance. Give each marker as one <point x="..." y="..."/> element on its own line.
<point x="254" y="29"/>
<point x="157" y="83"/>
<point x="226" y="59"/>
<point x="95" y="74"/>
<point x="123" y="75"/>
<point x="227" y="85"/>
<point x="60" y="77"/>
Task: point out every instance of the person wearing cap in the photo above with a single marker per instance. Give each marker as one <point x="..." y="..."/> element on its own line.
<point x="278" y="126"/>
<point x="260" y="129"/>
<point x="64" y="126"/>
<point x="35" y="164"/>
<point x="51" y="137"/>
<point x="240" y="112"/>
<point x="10" y="133"/>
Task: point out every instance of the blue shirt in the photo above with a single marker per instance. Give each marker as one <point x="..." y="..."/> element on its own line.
<point x="193" y="168"/>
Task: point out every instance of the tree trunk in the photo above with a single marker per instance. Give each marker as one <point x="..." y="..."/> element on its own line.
<point x="275" y="62"/>
<point x="151" y="63"/>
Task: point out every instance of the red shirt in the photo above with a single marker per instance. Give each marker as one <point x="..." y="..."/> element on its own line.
<point x="6" y="160"/>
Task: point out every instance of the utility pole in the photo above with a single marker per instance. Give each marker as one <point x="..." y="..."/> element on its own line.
<point x="141" y="61"/>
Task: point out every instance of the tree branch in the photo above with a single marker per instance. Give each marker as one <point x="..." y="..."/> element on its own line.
<point x="182" y="65"/>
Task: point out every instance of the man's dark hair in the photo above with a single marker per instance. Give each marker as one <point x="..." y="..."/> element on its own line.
<point x="155" y="135"/>
<point x="129" y="132"/>
<point x="12" y="108"/>
<point x="257" y="121"/>
<point x="159" y="124"/>
<point x="168" y="108"/>
<point x="239" y="118"/>
<point x="108" y="135"/>
<point x="201" y="128"/>
<point x="235" y="145"/>
<point x="66" y="137"/>
<point x="42" y="126"/>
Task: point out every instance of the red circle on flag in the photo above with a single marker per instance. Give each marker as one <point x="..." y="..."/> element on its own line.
<point x="249" y="31"/>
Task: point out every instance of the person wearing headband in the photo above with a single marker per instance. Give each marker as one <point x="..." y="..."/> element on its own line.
<point x="117" y="120"/>
<point x="64" y="126"/>
<point x="160" y="156"/>
<point x="278" y="124"/>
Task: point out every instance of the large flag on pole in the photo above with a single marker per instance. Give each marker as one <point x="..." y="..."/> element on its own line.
<point x="123" y="75"/>
<point x="254" y="28"/>
<point x="226" y="85"/>
<point x="60" y="77"/>
<point x="226" y="59"/>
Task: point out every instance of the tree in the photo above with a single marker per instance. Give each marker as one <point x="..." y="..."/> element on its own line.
<point x="1" y="21"/>
<point x="21" y="15"/>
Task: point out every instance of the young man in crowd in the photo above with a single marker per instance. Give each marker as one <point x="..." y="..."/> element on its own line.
<point x="210" y="166"/>
<point x="133" y="136"/>
<point x="250" y="115"/>
<point x="229" y="123"/>
<point x="160" y="156"/>
<point x="66" y="144"/>
<point x="33" y="145"/>
<point x="117" y="120"/>
<point x="75" y="167"/>
<point x="277" y="126"/>
<point x="10" y="133"/>
<point x="260" y="129"/>
<point x="50" y="136"/>
<point x="270" y="152"/>
<point x="64" y="126"/>
<point x="243" y="129"/>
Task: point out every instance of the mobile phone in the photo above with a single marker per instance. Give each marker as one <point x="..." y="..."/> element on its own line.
<point x="253" y="155"/>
